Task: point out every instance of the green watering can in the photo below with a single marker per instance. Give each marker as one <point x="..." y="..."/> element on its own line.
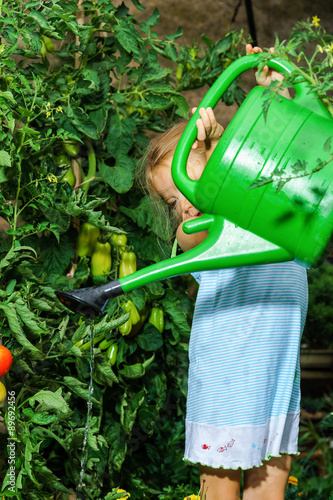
<point x="247" y="226"/>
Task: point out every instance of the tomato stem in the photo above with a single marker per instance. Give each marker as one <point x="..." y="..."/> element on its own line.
<point x="92" y="165"/>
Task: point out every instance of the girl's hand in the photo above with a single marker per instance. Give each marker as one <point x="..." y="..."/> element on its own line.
<point x="209" y="130"/>
<point x="268" y="75"/>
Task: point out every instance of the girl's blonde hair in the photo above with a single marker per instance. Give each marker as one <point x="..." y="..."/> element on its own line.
<point x="162" y="148"/>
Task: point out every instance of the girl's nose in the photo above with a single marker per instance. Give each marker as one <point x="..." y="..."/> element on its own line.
<point x="188" y="210"/>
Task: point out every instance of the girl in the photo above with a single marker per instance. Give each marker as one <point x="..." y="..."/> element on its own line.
<point x="244" y="374"/>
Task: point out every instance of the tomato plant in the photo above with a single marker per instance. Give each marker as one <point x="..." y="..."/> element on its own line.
<point x="82" y="91"/>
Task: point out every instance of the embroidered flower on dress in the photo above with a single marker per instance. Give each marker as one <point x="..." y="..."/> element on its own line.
<point x="225" y="448"/>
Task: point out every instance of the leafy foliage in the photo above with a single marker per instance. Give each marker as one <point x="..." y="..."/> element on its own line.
<point x="318" y="332"/>
<point x="309" y="51"/>
<point x="87" y="82"/>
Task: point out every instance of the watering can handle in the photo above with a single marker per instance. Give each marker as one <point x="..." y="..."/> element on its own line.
<point x="179" y="173"/>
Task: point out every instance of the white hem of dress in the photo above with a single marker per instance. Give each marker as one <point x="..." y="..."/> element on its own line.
<point x="241" y="446"/>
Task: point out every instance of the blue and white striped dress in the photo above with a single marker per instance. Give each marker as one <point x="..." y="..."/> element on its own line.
<point x="244" y="374"/>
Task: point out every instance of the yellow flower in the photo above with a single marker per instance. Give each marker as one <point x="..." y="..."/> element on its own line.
<point x="293" y="480"/>
<point x="59" y="108"/>
<point x="315" y="21"/>
<point x="320" y="49"/>
<point x="52" y="178"/>
<point x="48" y="114"/>
<point x="192" y="497"/>
<point x="122" y="491"/>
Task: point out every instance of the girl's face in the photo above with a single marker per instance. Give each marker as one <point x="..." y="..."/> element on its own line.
<point x="164" y="185"/>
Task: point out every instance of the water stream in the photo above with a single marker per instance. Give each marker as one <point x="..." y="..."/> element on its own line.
<point x="89" y="405"/>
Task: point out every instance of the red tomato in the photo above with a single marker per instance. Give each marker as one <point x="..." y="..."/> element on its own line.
<point x="5" y="360"/>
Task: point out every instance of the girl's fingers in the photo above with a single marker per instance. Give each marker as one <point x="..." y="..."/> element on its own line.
<point x="207" y="125"/>
<point x="206" y="118"/>
<point x="252" y="50"/>
<point x="201" y="135"/>
<point x="248" y="49"/>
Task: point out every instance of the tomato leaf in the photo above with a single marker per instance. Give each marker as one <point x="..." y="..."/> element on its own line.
<point x="119" y="138"/>
<point x="130" y="405"/>
<point x="5" y="160"/>
<point x="120" y="176"/>
<point x="51" y="401"/>
<point x="132" y="371"/>
<point x="79" y="388"/>
<point x="56" y="258"/>
<point x="104" y="370"/>
<point x="150" y="338"/>
<point x="39" y="418"/>
<point x="35" y="326"/>
<point x="17" y="331"/>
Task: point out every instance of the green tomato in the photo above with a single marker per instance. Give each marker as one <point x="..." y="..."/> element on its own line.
<point x="134" y="313"/>
<point x="111" y="354"/>
<point x="62" y="161"/>
<point x="101" y="261"/>
<point x="120" y="241"/>
<point x="126" y="328"/>
<point x="43" y="49"/>
<point x="179" y="72"/>
<point x="69" y="177"/>
<point x="9" y="80"/>
<point x="132" y="109"/>
<point x="193" y="53"/>
<point x="105" y="344"/>
<point x="70" y="82"/>
<point x="87" y="239"/>
<point x="72" y="148"/>
<point x="48" y="44"/>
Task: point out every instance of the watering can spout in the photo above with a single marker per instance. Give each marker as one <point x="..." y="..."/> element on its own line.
<point x="89" y="301"/>
<point x="225" y="246"/>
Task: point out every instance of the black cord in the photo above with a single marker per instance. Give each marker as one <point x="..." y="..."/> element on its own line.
<point x="236" y="11"/>
<point x="250" y="19"/>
